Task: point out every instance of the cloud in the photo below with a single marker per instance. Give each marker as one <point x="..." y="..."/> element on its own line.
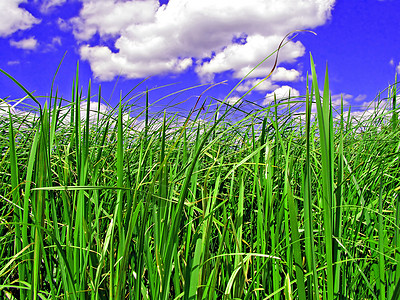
<point x="266" y="85"/>
<point x="233" y="100"/>
<point x="64" y="25"/>
<point x="56" y="41"/>
<point x="26" y="44"/>
<point x="48" y="5"/>
<point x="242" y="58"/>
<point x="342" y="95"/>
<point x="282" y="92"/>
<point x="376" y="111"/>
<point x="337" y="99"/>
<point x="110" y="17"/>
<point x="360" y="98"/>
<point x="13" y="62"/>
<point x="52" y="46"/>
<point x="282" y="74"/>
<point x="398" y="68"/>
<point x="375" y="105"/>
<point x="210" y="36"/>
<point x="279" y="75"/>
<point x="14" y="18"/>
<point x="95" y="112"/>
<point x="5" y="108"/>
<point x="338" y="102"/>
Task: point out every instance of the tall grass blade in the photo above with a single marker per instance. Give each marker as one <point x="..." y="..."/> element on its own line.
<point x="324" y="115"/>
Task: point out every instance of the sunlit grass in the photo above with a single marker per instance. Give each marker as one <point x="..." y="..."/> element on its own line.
<point x="115" y="204"/>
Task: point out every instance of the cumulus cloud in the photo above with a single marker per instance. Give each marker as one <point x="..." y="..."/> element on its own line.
<point x="26" y="44"/>
<point x="210" y="36"/>
<point x="242" y="58"/>
<point x="14" y="18"/>
<point x="280" y="93"/>
<point x="282" y="74"/>
<point x="258" y="84"/>
<point x="109" y="18"/>
<point x="398" y="68"/>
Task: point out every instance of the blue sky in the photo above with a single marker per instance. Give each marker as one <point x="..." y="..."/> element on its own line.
<point x="190" y="42"/>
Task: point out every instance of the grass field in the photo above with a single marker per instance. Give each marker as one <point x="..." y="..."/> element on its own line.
<point x="276" y="204"/>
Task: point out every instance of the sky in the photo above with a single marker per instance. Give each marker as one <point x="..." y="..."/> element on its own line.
<point x="176" y="45"/>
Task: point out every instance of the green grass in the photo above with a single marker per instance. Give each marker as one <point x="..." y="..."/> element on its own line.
<point x="276" y="204"/>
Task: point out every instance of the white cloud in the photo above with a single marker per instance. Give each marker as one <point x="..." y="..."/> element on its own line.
<point x="338" y="102"/>
<point x="282" y="92"/>
<point x="345" y="96"/>
<point x="266" y="85"/>
<point x="14" y="18"/>
<point x="372" y="105"/>
<point x="26" y="44"/>
<point x="63" y="25"/>
<point x="13" y="62"/>
<point x="94" y="112"/>
<point x="398" y="68"/>
<point x="242" y="58"/>
<point x="233" y="100"/>
<point x="5" y="108"/>
<point x="360" y="97"/>
<point x="56" y="41"/>
<point x="48" y="5"/>
<point x="337" y="98"/>
<point x="282" y="74"/>
<point x="218" y="36"/>
<point x="110" y="17"/>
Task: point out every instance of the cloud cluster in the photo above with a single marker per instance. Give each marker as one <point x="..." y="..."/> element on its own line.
<point x="140" y="38"/>
<point x="14" y="18"/>
<point x="209" y="36"/>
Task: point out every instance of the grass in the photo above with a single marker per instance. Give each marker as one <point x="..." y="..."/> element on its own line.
<point x="277" y="204"/>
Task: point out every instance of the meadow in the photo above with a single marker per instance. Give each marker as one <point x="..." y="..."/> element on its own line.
<point x="291" y="201"/>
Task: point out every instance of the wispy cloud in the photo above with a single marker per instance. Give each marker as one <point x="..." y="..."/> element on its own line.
<point x="13" y="62"/>
<point x="360" y="98"/>
<point x="48" y="5"/>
